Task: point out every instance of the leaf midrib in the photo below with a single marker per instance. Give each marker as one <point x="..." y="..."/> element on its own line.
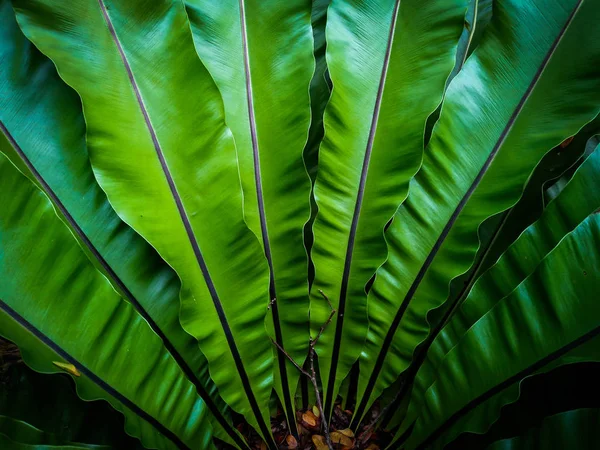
<point x="179" y="359"/>
<point x="281" y="360"/>
<point x="530" y="370"/>
<point x="189" y="231"/>
<point x="356" y="215"/>
<point x="113" y="392"/>
<point x="429" y="260"/>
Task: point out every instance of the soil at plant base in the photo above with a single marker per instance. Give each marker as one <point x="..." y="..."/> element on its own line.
<point x="311" y="435"/>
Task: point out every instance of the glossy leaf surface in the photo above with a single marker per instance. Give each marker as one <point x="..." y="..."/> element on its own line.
<point x="260" y="54"/>
<point x="156" y="212"/>
<point x="170" y="172"/>
<point x="53" y="154"/>
<point x="552" y="321"/>
<point x="320" y="92"/>
<point x="555" y="164"/>
<point x="479" y="158"/>
<point x="485" y="411"/>
<point x="499" y="232"/>
<point x="483" y="17"/>
<point x="57" y="307"/>
<point x="560" y="218"/>
<point x="576" y="202"/>
<point x="477" y="18"/>
<point x="388" y="63"/>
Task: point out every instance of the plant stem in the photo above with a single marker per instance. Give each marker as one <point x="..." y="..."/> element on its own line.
<point x="313" y="379"/>
<point x="312" y="375"/>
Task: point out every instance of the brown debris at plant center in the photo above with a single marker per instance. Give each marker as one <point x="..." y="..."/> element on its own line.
<point x="311" y="435"/>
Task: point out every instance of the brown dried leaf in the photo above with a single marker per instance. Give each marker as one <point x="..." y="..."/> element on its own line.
<point x="347" y="432"/>
<point x="291" y="441"/>
<point x="373" y="447"/>
<point x="319" y="442"/>
<point x="309" y="419"/>
<point x="339" y="438"/>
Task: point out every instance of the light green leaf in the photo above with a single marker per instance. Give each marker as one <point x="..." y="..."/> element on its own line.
<point x="388" y="63"/>
<point x="160" y="149"/>
<point x="320" y="92"/>
<point x="53" y="154"/>
<point x="477" y="18"/>
<point x="57" y="307"/>
<point x="260" y="54"/>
